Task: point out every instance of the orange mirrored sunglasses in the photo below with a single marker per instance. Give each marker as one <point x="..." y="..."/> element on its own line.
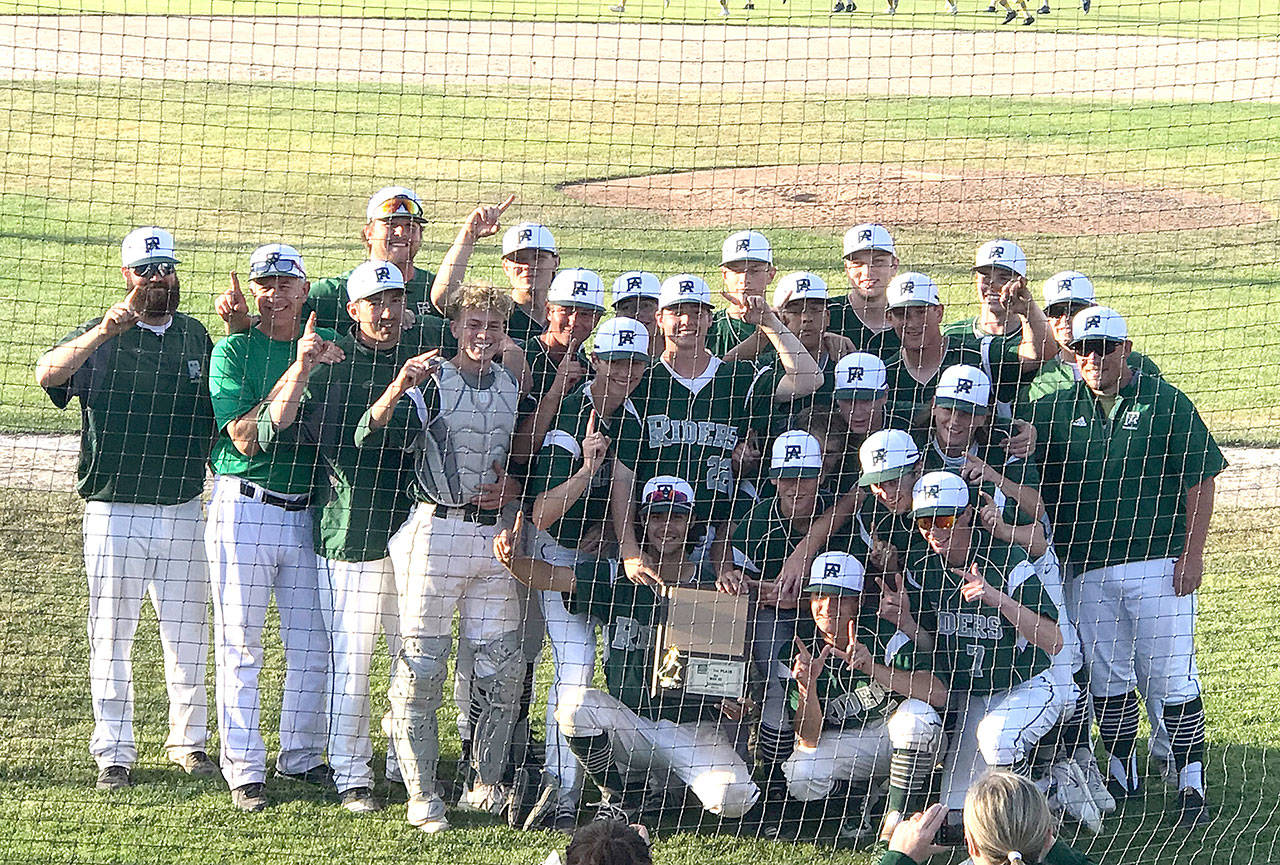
<point x="941" y="521"/>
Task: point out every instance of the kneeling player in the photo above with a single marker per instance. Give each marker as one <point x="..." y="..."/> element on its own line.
<point x="850" y="675"/>
<point x="623" y="735"/>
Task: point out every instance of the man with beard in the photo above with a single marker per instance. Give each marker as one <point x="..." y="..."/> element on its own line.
<point x="140" y="368"/>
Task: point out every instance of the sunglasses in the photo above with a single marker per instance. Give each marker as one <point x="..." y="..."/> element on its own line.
<point x="1099" y="347"/>
<point x="155" y="268"/>
<point x="1065" y="310"/>
<point x="275" y="267"/>
<point x="940" y="521"/>
<point x="399" y="205"/>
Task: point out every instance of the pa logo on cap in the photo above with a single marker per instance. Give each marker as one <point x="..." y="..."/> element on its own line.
<point x="1065" y="284"/>
<point x="1092" y="322"/>
<point x="382" y="274"/>
<point x="634" y="283"/>
<point x="997" y="252"/>
<point x="626" y="337"/>
<point x="802" y="284"/>
<point x="879" y="456"/>
<point x="151" y="244"/>
<point x="579" y="288"/>
<point x="865" y="234"/>
<point x="792" y="452"/>
<point x="964" y="385"/>
<point x="856" y="373"/>
<point x="743" y="245"/>
<point x="933" y="491"/>
<point x="909" y="287"/>
<point x="831" y="571"/>
<point x="686" y="285"/>
<point x="526" y="234"/>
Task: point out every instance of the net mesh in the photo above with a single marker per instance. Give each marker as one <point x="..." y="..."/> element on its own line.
<point x="1134" y="142"/>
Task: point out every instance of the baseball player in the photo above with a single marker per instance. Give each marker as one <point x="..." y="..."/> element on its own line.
<point x="259" y="533"/>
<point x="994" y="629"/>
<point x="1012" y="14"/>
<point x="746" y="263"/>
<point x="850" y="672"/>
<point x="870" y="263"/>
<point x="1065" y="294"/>
<point x="1129" y="472"/>
<point x="624" y="734"/>
<point x="362" y="505"/>
<point x="916" y="312"/>
<point x="635" y="295"/>
<point x="697" y="409"/>
<point x="597" y="425"/>
<point x="142" y="367"/>
<point x="457" y="419"/>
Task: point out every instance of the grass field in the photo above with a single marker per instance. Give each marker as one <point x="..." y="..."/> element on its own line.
<point x="49" y="811"/>
<point x="1200" y="19"/>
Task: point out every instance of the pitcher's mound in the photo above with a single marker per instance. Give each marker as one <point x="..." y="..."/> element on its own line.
<point x="808" y="196"/>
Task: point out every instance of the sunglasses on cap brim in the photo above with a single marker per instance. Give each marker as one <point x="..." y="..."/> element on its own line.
<point x="155" y="268"/>
<point x="399" y="205"/>
<point x="275" y="267"/>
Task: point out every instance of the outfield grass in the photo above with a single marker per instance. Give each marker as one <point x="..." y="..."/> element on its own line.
<point x="50" y="812"/>
<point x="1198" y="19"/>
<point x="231" y="166"/>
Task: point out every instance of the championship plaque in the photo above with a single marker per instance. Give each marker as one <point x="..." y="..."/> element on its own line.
<point x="701" y="645"/>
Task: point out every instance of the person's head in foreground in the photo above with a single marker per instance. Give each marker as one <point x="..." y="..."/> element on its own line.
<point x="608" y="842"/>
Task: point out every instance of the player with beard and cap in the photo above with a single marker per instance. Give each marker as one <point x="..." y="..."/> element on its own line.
<point x="870" y="263"/>
<point x="142" y="367"/>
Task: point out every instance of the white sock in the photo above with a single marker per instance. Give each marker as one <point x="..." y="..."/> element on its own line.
<point x="1192" y="775"/>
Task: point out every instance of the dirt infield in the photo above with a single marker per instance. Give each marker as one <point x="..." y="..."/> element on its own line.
<point x="804" y="61"/>
<point x="935" y="196"/>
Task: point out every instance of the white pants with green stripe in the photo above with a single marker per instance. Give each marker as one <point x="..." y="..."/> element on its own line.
<point x="131" y="552"/>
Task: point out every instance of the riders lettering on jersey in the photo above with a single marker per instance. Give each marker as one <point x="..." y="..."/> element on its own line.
<point x="973" y="626"/>
<point x="665" y="432"/>
<point x="856" y="703"/>
<point x="630" y="635"/>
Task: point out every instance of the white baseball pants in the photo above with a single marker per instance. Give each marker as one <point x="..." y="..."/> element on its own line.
<point x="359" y="602"/>
<point x="255" y="549"/>
<point x="132" y="551"/>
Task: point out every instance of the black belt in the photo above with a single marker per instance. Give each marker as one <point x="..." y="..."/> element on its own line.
<point x="257" y="493"/>
<point x="466" y="513"/>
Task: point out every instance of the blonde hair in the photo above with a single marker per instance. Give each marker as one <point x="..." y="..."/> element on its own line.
<point x="1007" y="820"/>
<point x="481" y="295"/>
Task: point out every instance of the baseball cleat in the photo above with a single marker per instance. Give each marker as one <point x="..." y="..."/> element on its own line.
<point x="991" y="8"/>
<point x="427" y="815"/>
<point x="319" y="776"/>
<point x="612" y="810"/>
<point x="1030" y="20"/>
<point x="1043" y="10"/>
<point x="114" y="778"/>
<point x="1097" y="786"/>
<point x="1191" y="808"/>
<point x="250" y="797"/>
<point x="198" y="765"/>
<point x="1069" y="795"/>
<point x="486" y="798"/>
<point x="1119" y="792"/>
<point x="360" y="800"/>
<point x="1012" y="15"/>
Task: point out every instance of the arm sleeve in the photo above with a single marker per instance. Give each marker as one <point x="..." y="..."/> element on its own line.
<point x="1025" y="588"/>
<point x="594" y="591"/>
<point x="407" y="421"/>
<point x="1192" y="453"/>
<point x="555" y="463"/>
<point x="229" y="389"/>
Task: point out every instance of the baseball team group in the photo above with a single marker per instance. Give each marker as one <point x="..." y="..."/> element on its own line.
<point x="963" y="546"/>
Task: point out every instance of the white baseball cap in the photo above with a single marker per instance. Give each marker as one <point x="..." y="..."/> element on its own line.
<point x="1068" y="286"/>
<point x="746" y="246"/>
<point x="912" y="289"/>
<point x="667" y="493"/>
<point x="964" y="387"/>
<point x="1001" y="253"/>
<point x="800" y="285"/>
<point x="1098" y="322"/>
<point x="373" y="276"/>
<point x="795" y="454"/>
<point x="527" y="235"/>
<point x="684" y="288"/>
<point x="393" y="201"/>
<point x="868" y="235"/>
<point x="621" y="338"/>
<point x="886" y="455"/>
<point x="836" y="573"/>
<point x="276" y="259"/>
<point x="939" y="493"/>
<point x="147" y="245"/>
<point x="579" y="287"/>
<point x="860" y="376"/>
<point x="636" y="283"/>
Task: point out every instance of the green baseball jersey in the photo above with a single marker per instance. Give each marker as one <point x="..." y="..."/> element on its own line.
<point x="561" y="457"/>
<point x="691" y="427"/>
<point x="784" y="413"/>
<point x="243" y="370"/>
<point x="726" y="332"/>
<point x="365" y="499"/>
<point x="146" y="420"/>
<point x="1058" y="375"/>
<point x="542" y="371"/>
<point x="979" y="651"/>
<point x="884" y="344"/>
<point x="521" y="326"/>
<point x="328" y="300"/>
<point x="629" y="614"/>
<point x="911" y="398"/>
<point x="851" y="699"/>
<point x="1115" y="482"/>
<point x="763" y="538"/>
<point x="1020" y="471"/>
